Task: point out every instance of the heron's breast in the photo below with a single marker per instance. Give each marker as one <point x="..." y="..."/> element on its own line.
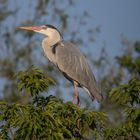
<point x="49" y="54"/>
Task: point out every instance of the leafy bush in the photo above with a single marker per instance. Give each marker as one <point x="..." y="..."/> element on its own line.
<point x="47" y="117"/>
<point x="128" y="96"/>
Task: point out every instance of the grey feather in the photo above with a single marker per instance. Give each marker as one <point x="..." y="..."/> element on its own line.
<point x="72" y="62"/>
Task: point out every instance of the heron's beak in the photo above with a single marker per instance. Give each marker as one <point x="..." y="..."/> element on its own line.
<point x="30" y="28"/>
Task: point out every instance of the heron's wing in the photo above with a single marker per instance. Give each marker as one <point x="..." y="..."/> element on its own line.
<point x="73" y="63"/>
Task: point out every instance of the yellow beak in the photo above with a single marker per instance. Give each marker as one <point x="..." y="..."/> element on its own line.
<point x="30" y="28"/>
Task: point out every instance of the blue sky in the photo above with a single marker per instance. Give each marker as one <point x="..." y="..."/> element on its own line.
<point x="116" y="18"/>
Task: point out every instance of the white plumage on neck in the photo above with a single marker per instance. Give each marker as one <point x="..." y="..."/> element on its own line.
<point x="53" y="36"/>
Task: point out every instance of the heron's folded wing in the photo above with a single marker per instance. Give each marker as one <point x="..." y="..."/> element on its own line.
<point x="72" y="62"/>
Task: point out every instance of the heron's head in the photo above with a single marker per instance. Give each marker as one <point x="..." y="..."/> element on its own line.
<point x="48" y="30"/>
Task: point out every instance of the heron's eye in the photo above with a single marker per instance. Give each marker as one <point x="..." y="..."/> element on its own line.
<point x="44" y="27"/>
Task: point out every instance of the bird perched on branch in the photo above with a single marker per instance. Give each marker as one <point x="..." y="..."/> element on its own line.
<point x="70" y="61"/>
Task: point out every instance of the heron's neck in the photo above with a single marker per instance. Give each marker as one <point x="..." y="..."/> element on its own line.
<point x="52" y="39"/>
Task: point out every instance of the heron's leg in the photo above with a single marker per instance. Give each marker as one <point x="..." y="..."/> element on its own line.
<point x="76" y="95"/>
<point x="78" y="100"/>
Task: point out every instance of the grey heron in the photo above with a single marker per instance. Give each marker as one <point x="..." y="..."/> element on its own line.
<point x="69" y="60"/>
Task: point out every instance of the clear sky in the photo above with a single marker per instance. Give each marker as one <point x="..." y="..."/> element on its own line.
<point x="115" y="17"/>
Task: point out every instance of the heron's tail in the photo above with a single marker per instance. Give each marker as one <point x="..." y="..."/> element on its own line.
<point x="94" y="92"/>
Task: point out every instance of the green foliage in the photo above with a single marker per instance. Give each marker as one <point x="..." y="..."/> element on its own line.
<point x="128" y="96"/>
<point x="33" y="81"/>
<point x="131" y="61"/>
<point x="123" y="101"/>
<point x="137" y="46"/>
<point x="47" y="117"/>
